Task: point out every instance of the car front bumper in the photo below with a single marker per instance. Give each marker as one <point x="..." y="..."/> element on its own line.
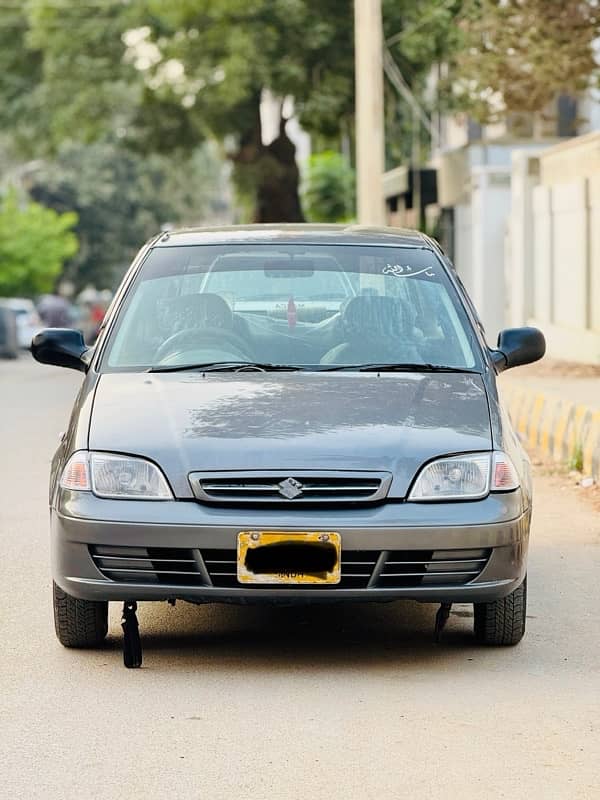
<point x="132" y="550"/>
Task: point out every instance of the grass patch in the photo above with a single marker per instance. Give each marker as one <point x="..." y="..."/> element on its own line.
<point x="575" y="461"/>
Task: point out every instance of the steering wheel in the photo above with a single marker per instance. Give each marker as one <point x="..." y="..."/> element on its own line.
<point x="194" y="338"/>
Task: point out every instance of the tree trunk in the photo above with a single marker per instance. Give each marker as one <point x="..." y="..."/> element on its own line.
<point x="277" y="192"/>
<point x="269" y="175"/>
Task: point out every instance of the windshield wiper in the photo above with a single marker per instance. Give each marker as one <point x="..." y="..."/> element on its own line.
<point x="224" y="366"/>
<point x="408" y="367"/>
<point x="401" y="367"/>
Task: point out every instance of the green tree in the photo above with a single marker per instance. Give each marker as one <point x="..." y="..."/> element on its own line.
<point x="171" y="74"/>
<point x="329" y="188"/>
<point x="121" y="199"/>
<point x="164" y="76"/>
<point x="35" y="242"/>
<point x="20" y="74"/>
<point x="518" y="55"/>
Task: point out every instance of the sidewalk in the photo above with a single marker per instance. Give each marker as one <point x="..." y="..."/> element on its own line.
<point x="555" y="407"/>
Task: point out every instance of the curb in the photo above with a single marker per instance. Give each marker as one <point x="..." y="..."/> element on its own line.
<point x="560" y="429"/>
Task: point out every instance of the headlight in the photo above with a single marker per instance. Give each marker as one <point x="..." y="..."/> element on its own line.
<point x="465" y="477"/>
<point x="115" y="476"/>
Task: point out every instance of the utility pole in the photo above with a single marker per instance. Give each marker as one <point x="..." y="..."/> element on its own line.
<point x="368" y="69"/>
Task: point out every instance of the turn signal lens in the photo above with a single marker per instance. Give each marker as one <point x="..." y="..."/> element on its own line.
<point x="76" y="474"/>
<point x="504" y="474"/>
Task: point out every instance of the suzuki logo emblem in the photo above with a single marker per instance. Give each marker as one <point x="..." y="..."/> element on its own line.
<point x="290" y="488"/>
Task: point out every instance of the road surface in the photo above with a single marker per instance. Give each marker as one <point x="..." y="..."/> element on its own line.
<point x="341" y="702"/>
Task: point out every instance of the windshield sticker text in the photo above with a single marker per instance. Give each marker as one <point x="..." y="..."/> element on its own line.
<point x="406" y="271"/>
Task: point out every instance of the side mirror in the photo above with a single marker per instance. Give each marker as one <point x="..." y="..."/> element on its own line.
<point x="62" y="347"/>
<point x="517" y="346"/>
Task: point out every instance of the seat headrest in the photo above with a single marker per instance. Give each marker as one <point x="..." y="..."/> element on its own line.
<point x="375" y="315"/>
<point x="202" y="310"/>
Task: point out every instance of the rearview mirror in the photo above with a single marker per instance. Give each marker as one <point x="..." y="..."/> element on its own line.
<point x="518" y="346"/>
<point x="62" y="347"/>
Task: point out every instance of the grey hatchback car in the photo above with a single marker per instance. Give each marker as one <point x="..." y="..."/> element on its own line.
<point x="289" y="414"/>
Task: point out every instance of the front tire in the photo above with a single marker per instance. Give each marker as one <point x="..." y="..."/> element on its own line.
<point x="502" y="622"/>
<point x="79" y="623"/>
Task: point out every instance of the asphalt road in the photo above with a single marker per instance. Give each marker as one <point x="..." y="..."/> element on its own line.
<point x="341" y="702"/>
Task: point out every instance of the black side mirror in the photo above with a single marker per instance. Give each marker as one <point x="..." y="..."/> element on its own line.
<point x="517" y="346"/>
<point x="62" y="347"/>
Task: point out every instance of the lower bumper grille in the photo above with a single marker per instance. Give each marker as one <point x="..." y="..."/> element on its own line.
<point x="357" y="568"/>
<point x="388" y="569"/>
<point x="148" y="565"/>
<point x="405" y="568"/>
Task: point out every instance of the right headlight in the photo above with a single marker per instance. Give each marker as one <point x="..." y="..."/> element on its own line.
<point x="465" y="477"/>
<point x="115" y="476"/>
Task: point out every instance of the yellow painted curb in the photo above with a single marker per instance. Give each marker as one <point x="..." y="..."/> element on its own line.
<point x="591" y="448"/>
<point x="559" y="429"/>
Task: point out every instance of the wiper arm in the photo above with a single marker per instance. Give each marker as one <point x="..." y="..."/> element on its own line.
<point x="401" y="367"/>
<point x="224" y="366"/>
<point x="410" y="367"/>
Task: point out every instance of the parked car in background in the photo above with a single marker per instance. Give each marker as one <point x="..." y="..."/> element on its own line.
<point x="290" y="414"/>
<point x="28" y="320"/>
<point x="9" y="344"/>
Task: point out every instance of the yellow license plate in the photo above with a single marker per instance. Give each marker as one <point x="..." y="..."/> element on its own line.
<point x="290" y="558"/>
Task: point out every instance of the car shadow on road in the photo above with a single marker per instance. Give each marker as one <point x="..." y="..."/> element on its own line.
<point x="320" y="636"/>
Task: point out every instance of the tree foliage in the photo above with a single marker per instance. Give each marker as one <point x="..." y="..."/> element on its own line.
<point x="35" y="242"/>
<point x="162" y="77"/>
<point x="329" y="188"/>
<point x="121" y="199"/>
<point x="165" y="76"/>
<point x="518" y="55"/>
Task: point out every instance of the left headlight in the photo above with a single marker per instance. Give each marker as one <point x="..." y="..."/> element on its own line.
<point x="115" y="476"/>
<point x="465" y="477"/>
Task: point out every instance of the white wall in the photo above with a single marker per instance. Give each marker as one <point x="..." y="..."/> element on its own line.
<point x="570" y="254"/>
<point x="479" y="244"/>
<point x="463" y="244"/>
<point x="518" y="257"/>
<point x="491" y="206"/>
<point x="564" y="241"/>
<point x="540" y="235"/>
<point x="594" y="239"/>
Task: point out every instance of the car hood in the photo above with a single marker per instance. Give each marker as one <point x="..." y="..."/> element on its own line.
<point x="189" y="422"/>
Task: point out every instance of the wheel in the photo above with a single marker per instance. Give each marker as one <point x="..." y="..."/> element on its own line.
<point x="79" y="623"/>
<point x="502" y="622"/>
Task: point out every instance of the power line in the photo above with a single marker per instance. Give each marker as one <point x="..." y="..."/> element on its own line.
<point x="396" y="78"/>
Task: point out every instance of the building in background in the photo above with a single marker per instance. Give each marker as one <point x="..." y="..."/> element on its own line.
<point x="505" y="200"/>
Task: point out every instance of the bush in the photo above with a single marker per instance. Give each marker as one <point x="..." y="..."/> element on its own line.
<point x="329" y="188"/>
<point x="35" y="242"/>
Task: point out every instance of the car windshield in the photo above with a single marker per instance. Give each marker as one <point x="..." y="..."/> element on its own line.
<point x="308" y="306"/>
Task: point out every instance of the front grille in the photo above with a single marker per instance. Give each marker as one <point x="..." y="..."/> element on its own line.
<point x="357" y="568"/>
<point x="253" y="487"/>
<point x="405" y="568"/>
<point x="148" y="565"/>
<point x="390" y="569"/>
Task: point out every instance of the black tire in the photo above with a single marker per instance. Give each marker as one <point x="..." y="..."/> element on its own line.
<point x="502" y="622"/>
<point x="79" y="623"/>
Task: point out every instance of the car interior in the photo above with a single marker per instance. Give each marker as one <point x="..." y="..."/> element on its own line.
<point x="312" y="313"/>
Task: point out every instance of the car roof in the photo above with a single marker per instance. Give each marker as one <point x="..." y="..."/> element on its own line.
<point x="294" y="234"/>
